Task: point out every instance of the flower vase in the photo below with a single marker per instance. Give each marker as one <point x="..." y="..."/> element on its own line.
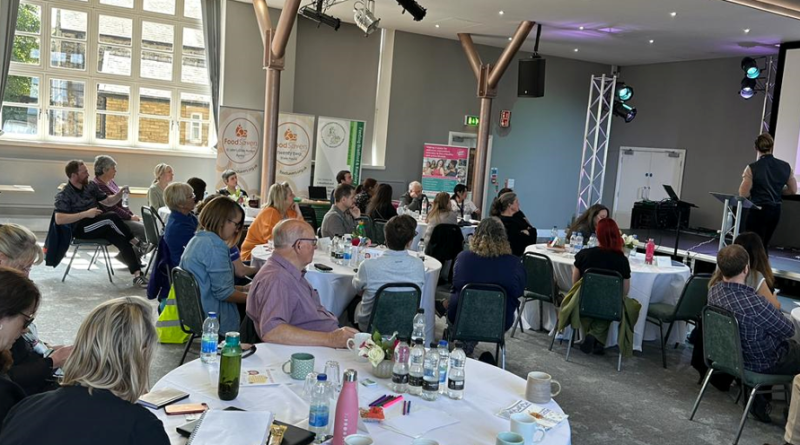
<point x="383" y="370"/>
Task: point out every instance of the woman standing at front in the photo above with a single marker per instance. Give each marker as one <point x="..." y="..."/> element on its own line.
<point x="280" y="206"/>
<point x="155" y="194"/>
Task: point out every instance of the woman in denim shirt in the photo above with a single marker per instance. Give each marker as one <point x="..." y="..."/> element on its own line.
<point x="207" y="258"/>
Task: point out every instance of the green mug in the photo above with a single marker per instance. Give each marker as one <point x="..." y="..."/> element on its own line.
<point x="509" y="438"/>
<point x="300" y="365"/>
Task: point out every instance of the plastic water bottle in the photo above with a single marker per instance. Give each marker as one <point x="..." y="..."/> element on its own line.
<point x="347" y="254"/>
<point x="444" y="360"/>
<point x="579" y="243"/>
<point x="208" y="344"/>
<point x="650" y="251"/>
<point x="334" y="246"/>
<point x="430" y="374"/>
<point x="554" y="236"/>
<point x="421" y="249"/>
<point x="125" y="199"/>
<point x="424" y="210"/>
<point x="418" y="330"/>
<point x="416" y="368"/>
<point x="592" y="241"/>
<point x="456" y="375"/>
<point x="319" y="412"/>
<point x="401" y="210"/>
<point x="400" y="369"/>
<point x="573" y="240"/>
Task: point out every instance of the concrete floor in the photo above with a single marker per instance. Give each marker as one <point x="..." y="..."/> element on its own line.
<point x="643" y="404"/>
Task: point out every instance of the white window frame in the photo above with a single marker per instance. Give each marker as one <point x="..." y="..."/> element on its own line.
<point x="92" y="77"/>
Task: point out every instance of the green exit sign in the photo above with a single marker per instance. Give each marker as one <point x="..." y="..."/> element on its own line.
<point x="471" y="121"/>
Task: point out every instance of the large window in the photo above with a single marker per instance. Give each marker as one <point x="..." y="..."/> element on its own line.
<point x="130" y="73"/>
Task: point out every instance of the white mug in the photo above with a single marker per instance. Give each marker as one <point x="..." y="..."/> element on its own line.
<point x="354" y="344"/>
<point x="540" y="388"/>
<point x="357" y="439"/>
<point x="525" y="425"/>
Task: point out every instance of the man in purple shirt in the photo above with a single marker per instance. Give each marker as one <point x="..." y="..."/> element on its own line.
<point x="282" y="304"/>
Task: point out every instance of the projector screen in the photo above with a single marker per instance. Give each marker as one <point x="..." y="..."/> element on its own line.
<point x="785" y="120"/>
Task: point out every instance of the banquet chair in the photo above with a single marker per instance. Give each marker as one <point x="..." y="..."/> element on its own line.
<point x="689" y="309"/>
<point x="152" y="234"/>
<point x="481" y="317"/>
<point x="309" y="215"/>
<point x="540" y="285"/>
<point x="190" y="308"/>
<point x="445" y="243"/>
<point x="394" y="309"/>
<point x="100" y="246"/>
<point x="601" y="298"/>
<point x="378" y="236"/>
<point x="723" y="353"/>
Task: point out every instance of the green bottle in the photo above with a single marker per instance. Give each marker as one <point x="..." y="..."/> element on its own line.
<point x="230" y="367"/>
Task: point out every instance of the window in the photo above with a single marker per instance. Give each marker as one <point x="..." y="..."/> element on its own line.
<point x="129" y="73"/>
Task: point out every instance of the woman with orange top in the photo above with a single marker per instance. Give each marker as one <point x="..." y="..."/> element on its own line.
<point x="280" y="206"/>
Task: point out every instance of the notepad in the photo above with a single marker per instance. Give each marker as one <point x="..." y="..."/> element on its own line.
<point x="160" y="398"/>
<point x="419" y="422"/>
<point x="235" y="427"/>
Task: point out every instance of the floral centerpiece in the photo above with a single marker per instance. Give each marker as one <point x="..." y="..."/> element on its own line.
<point x="629" y="243"/>
<point x="379" y="351"/>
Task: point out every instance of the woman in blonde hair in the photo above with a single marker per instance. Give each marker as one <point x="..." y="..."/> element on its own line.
<point x="440" y="213"/>
<point x="155" y="194"/>
<point x="106" y="374"/>
<point x="280" y="206"/>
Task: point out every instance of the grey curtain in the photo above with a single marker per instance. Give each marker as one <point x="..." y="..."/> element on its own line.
<point x="8" y="21"/>
<point x="212" y="32"/>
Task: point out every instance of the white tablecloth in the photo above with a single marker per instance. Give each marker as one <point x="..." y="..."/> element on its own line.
<point x="488" y="389"/>
<point x="649" y="284"/>
<point x="336" y="287"/>
<point x="422" y="226"/>
<point x="164" y="212"/>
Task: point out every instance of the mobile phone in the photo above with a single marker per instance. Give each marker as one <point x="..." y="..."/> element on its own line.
<point x="185" y="408"/>
<point x="322" y="267"/>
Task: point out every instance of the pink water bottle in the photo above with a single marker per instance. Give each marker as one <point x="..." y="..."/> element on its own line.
<point x="650" y="250"/>
<point x="346" y="422"/>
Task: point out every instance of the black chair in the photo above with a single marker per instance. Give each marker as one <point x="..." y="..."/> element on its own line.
<point x="445" y="243"/>
<point x="394" y="309"/>
<point x="100" y="246"/>
<point x="152" y="234"/>
<point x="378" y="236"/>
<point x="190" y="308"/>
<point x="540" y="285"/>
<point x="481" y="317"/>
<point x="689" y="309"/>
<point x="309" y="215"/>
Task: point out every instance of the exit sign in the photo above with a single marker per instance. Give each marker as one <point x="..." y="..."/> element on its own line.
<point x="471" y="121"/>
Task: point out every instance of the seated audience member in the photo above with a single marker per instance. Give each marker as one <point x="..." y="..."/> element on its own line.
<point x="155" y="194"/>
<point x="198" y="187"/>
<point x="607" y="255"/>
<point x="232" y="189"/>
<point x="207" y="258"/>
<point x="440" y="213"/>
<point x="494" y="212"/>
<point x="103" y="379"/>
<point x="364" y="193"/>
<point x="280" y="206"/>
<point x="31" y="370"/>
<point x="240" y="269"/>
<point x="586" y="224"/>
<point x="182" y="223"/>
<point x="105" y="169"/>
<point x="394" y="266"/>
<point x="341" y="218"/>
<point x="78" y="204"/>
<point x="520" y="233"/>
<point x="413" y="198"/>
<point x="19" y="299"/>
<point x="380" y="206"/>
<point x="463" y="206"/>
<point x="284" y="307"/>
<point x="489" y="261"/>
<point x="343" y="177"/>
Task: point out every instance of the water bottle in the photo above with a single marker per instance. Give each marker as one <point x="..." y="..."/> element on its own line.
<point x="593" y="241"/>
<point x="415" y="368"/>
<point x="346" y="421"/>
<point x="444" y="360"/>
<point x="650" y="251"/>
<point x="456" y="374"/>
<point x="125" y="199"/>
<point x="554" y="236"/>
<point x="334" y="246"/>
<point x="421" y="249"/>
<point x="400" y="368"/>
<point x="401" y="210"/>
<point x="230" y="367"/>
<point x="430" y="373"/>
<point x="347" y="254"/>
<point x="573" y="240"/>
<point x="319" y="412"/>
<point x="578" y="242"/>
<point x="208" y="344"/>
<point x="424" y="210"/>
<point x="418" y="331"/>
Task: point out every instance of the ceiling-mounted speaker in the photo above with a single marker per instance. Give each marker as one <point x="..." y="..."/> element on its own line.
<point x="531" y="77"/>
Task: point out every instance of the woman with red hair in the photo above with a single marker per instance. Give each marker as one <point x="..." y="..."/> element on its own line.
<point x="607" y="255"/>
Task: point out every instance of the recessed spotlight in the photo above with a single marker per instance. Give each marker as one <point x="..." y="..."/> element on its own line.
<point x="747" y="30"/>
<point x="437" y="25"/>
<point x="575" y="50"/>
<point x="651" y="40"/>
<point x="501" y="12"/>
<point x="777" y="45"/>
<point x="509" y="39"/>
<point x="673" y="14"/>
<point x="581" y="28"/>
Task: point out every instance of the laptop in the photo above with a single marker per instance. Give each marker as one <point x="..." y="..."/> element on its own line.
<point x="317" y="193"/>
<point x="672" y="195"/>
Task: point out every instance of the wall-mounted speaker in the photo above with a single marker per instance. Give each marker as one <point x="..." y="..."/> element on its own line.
<point x="531" y="77"/>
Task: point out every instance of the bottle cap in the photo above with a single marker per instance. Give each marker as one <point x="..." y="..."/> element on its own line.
<point x="420" y="311"/>
<point x="458" y="344"/>
<point x="417" y="341"/>
<point x="403" y="338"/>
<point x="443" y="343"/>
<point x="322" y="377"/>
<point x="212" y="314"/>
<point x="232" y="338"/>
<point x="433" y="345"/>
<point x="350" y="375"/>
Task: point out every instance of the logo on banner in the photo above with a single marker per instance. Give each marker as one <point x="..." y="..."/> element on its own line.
<point x="238" y="146"/>
<point x="333" y="134"/>
<point x="294" y="146"/>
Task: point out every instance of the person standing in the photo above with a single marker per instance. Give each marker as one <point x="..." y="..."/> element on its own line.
<point x="343" y="177"/>
<point x="764" y="182"/>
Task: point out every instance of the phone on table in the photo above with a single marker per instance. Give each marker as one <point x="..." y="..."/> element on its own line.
<point x="185" y="408"/>
<point x="322" y="268"/>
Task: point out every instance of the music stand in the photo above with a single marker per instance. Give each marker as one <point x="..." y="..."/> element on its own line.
<point x="678" y="205"/>
<point x="731" y="220"/>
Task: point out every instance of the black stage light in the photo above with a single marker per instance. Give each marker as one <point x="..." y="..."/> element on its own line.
<point x="624" y="111"/>
<point x="750" y="68"/>
<point x="413" y="8"/>
<point x="748" y="89"/>
<point x="624" y="92"/>
<point x="320" y="17"/>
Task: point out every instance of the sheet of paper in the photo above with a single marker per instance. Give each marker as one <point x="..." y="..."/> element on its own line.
<point x="419" y="422"/>
<point x="545" y="417"/>
<point x="264" y="377"/>
<point x="234" y="427"/>
<point x="663" y="261"/>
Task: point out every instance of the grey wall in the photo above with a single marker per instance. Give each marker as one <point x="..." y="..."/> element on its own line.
<point x="694" y="106"/>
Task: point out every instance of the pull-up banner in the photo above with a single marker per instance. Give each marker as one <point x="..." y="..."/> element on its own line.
<point x="239" y="147"/>
<point x="295" y="145"/>
<point x="339" y="145"/>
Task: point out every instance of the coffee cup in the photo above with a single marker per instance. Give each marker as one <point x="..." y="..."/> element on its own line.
<point x="358" y="439"/>
<point x="300" y="365"/>
<point x="525" y="425"/>
<point x="354" y="344"/>
<point x="422" y="441"/>
<point x="509" y="438"/>
<point x="540" y="388"/>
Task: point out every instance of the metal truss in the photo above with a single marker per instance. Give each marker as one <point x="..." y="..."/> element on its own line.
<point x="769" y="88"/>
<point x="595" y="141"/>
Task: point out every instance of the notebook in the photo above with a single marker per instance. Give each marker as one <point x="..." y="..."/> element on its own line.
<point x="162" y="397"/>
<point x="292" y="436"/>
<point x="235" y="427"/>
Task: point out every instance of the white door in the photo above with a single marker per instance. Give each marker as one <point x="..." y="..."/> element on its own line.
<point x="666" y="168"/>
<point x="632" y="181"/>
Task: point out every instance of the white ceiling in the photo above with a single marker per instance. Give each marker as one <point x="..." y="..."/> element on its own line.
<point x="615" y="31"/>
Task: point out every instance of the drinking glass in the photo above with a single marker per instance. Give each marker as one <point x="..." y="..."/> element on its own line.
<point x="308" y="385"/>
<point x="334" y="374"/>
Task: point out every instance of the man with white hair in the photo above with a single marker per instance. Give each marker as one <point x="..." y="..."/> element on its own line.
<point x="413" y="197"/>
<point x="283" y="305"/>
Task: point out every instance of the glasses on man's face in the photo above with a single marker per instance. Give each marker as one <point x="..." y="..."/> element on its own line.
<point x="313" y="241"/>
<point x="28" y="320"/>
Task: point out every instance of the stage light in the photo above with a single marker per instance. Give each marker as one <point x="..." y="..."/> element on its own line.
<point x="624" y="92"/>
<point x="365" y="17"/>
<point x="413" y="8"/>
<point x="748" y="89"/>
<point x="625" y="111"/>
<point x="750" y="68"/>
<point x="320" y="17"/>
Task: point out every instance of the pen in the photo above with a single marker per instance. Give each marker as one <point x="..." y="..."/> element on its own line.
<point x="392" y="402"/>
<point x="379" y="400"/>
<point x="388" y="399"/>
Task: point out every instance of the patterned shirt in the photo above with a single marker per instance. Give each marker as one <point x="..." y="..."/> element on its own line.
<point x="72" y="200"/>
<point x="763" y="328"/>
<point x="111" y="188"/>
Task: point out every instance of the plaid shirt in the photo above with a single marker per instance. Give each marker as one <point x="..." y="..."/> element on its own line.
<point x="112" y="189"/>
<point x="763" y="328"/>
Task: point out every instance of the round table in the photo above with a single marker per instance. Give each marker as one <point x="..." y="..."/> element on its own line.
<point x="488" y="390"/>
<point x="163" y="213"/>
<point x="336" y="289"/>
<point x="649" y="284"/>
<point x="422" y="227"/>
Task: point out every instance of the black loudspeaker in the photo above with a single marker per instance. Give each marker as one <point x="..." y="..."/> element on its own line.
<point x="531" y="77"/>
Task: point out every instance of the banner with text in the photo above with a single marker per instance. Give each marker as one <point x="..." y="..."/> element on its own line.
<point x="443" y="167"/>
<point x="239" y="147"/>
<point x="339" y="145"/>
<point x="295" y="138"/>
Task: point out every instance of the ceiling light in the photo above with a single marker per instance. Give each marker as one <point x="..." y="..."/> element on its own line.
<point x="501" y="12"/>
<point x="624" y="92"/>
<point x="750" y="68"/>
<point x="747" y="30"/>
<point x="320" y="17"/>
<point x="413" y="8"/>
<point x="437" y="25"/>
<point x="673" y="14"/>
<point x="748" y="89"/>
<point x="576" y="50"/>
<point x="510" y="39"/>
<point x="365" y="17"/>
<point x="625" y="111"/>
<point x="581" y="28"/>
<point x="651" y="40"/>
